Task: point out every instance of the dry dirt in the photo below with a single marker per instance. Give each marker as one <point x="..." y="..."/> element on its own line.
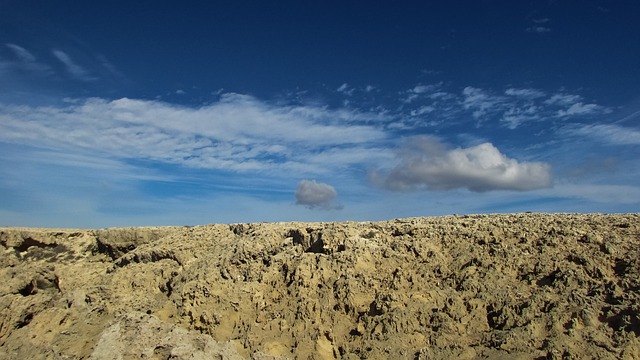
<point x="521" y="286"/>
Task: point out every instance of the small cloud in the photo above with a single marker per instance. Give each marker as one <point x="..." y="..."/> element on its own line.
<point x="111" y="69"/>
<point x="480" y="101"/>
<point x="345" y="89"/>
<point x="425" y="163"/>
<point x="180" y="92"/>
<point x="573" y="105"/>
<point x="538" y="26"/>
<point x="21" y="53"/>
<point x="315" y="195"/>
<point x="563" y="99"/>
<point x="421" y="91"/>
<point x="538" y="29"/>
<point x="430" y="72"/>
<point x="76" y="71"/>
<point x="26" y="61"/>
<point x="580" y="109"/>
<point x="423" y="110"/>
<point x="519" y="115"/>
<point x="525" y="93"/>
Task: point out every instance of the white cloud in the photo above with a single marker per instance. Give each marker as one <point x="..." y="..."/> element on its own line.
<point x="345" y="89"/>
<point x="580" y="109"/>
<point x="314" y="195"/>
<point x="423" y="110"/>
<point x="23" y="54"/>
<point x="520" y="106"/>
<point x="538" y="29"/>
<point x="515" y="116"/>
<point x="109" y="67"/>
<point x="76" y="71"/>
<point x="512" y="108"/>
<point x="563" y="99"/>
<point x="480" y="101"/>
<point x="421" y="89"/>
<point x="539" y="26"/>
<point x="612" y="134"/>
<point x="425" y="163"/>
<point x="525" y="93"/>
<point x="25" y="61"/>
<point x="237" y="133"/>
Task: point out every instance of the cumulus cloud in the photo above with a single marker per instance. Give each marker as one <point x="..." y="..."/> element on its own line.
<point x="426" y="163"/>
<point x="315" y="195"/>
<point x="76" y="71"/>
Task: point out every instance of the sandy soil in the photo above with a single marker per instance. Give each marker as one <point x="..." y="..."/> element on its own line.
<point x="521" y="286"/>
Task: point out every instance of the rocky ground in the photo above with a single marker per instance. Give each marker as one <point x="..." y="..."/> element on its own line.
<point x="522" y="286"/>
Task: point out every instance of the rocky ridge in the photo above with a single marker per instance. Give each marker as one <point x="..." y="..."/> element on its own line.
<point x="520" y="286"/>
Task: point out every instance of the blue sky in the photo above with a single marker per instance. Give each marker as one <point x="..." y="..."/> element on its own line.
<point x="163" y="113"/>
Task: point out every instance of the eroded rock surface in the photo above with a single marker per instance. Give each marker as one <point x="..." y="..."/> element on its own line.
<point x="522" y="286"/>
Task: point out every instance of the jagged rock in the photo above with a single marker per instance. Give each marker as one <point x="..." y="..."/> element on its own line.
<point x="518" y="286"/>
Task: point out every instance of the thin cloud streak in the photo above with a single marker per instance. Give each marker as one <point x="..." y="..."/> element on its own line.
<point x="24" y="61"/>
<point x="76" y="71"/>
<point x="608" y="133"/>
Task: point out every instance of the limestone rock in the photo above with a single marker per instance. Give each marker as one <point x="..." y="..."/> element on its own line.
<point x="518" y="286"/>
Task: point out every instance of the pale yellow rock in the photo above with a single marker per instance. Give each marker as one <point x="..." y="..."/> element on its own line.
<point x="517" y="286"/>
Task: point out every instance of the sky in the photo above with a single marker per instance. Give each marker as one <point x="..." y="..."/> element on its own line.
<point x="144" y="113"/>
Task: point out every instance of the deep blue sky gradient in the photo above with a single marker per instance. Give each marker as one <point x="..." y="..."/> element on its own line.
<point x="555" y="83"/>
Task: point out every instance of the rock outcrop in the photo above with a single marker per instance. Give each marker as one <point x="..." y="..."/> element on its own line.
<point x="521" y="286"/>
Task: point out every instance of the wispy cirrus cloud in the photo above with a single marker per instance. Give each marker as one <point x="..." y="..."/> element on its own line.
<point x="538" y="29"/>
<point x="237" y="133"/>
<point x="23" y="60"/>
<point x="22" y="54"/>
<point x="580" y="108"/>
<point x="21" y="67"/>
<point x="512" y="108"/>
<point x="608" y="133"/>
<point x="73" y="69"/>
